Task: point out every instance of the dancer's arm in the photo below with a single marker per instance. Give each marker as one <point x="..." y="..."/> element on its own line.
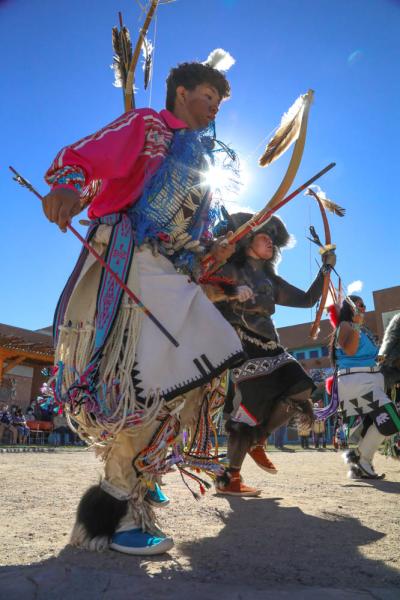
<point x="107" y="154"/>
<point x="349" y="334"/>
<point x="110" y="153"/>
<point x="289" y="295"/>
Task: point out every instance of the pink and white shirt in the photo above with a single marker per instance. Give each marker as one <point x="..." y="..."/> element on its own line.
<point x="120" y="157"/>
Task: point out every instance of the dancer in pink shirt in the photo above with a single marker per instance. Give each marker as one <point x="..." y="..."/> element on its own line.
<point x="125" y="387"/>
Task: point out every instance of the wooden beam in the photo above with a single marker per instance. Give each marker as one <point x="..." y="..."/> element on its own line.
<point x="13" y="363"/>
<point x="11" y="353"/>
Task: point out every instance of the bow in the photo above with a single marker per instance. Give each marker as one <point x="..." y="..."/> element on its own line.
<point x="292" y="128"/>
<point x="323" y="204"/>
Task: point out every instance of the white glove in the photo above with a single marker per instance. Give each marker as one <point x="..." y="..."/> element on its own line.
<point x="244" y="293"/>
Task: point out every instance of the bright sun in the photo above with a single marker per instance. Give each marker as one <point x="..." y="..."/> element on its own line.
<point x="226" y="185"/>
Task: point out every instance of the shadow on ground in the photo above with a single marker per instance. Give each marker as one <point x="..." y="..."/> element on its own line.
<point x="262" y="549"/>
<point x="388" y="487"/>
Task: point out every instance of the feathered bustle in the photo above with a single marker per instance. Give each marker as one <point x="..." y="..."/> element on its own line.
<point x="220" y="59"/>
<point x="287" y="132"/>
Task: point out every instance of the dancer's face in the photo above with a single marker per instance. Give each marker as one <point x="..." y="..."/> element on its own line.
<point x="197" y="107"/>
<point x="261" y="247"/>
<point x="360" y="305"/>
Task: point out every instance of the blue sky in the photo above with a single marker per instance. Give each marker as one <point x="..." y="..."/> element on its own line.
<point x="57" y="87"/>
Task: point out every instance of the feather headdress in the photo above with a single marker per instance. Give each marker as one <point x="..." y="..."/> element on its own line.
<point x="220" y="59"/>
<point x="287" y="132"/>
<point x="328" y="204"/>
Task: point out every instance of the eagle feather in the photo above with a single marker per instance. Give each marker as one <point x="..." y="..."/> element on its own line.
<point x="287" y="132"/>
<point x="328" y="204"/>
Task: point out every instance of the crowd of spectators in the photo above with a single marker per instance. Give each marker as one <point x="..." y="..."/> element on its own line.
<point x="17" y="427"/>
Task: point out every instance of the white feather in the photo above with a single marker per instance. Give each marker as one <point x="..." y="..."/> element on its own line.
<point x="220" y="59"/>
<point x="147" y="50"/>
<point x="354" y="286"/>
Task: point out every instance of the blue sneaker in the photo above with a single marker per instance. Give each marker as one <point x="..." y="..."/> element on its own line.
<point x="157" y="497"/>
<point x="139" y="542"/>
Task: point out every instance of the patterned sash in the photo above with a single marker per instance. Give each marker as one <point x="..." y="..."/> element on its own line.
<point x="119" y="257"/>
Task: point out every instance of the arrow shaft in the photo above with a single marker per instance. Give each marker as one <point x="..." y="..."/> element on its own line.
<point x="22" y="181"/>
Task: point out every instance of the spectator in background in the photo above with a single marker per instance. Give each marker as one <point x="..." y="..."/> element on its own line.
<point x="46" y="410"/>
<point x="19" y="422"/>
<point x="319" y="429"/>
<point x="6" y="423"/>
<point x="61" y="429"/>
<point x="30" y="414"/>
<point x="280" y="436"/>
<point x="37" y="411"/>
<point x="304" y="430"/>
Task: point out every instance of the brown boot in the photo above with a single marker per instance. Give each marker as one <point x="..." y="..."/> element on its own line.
<point x="231" y="484"/>
<point x="260" y="457"/>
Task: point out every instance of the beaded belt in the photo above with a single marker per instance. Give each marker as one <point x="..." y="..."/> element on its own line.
<point x="270" y="345"/>
<point x="352" y="370"/>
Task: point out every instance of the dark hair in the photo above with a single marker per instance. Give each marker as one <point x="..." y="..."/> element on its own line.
<point x="346" y="313"/>
<point x="191" y="75"/>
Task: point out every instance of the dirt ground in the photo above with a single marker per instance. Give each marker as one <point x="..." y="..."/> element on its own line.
<point x="310" y="527"/>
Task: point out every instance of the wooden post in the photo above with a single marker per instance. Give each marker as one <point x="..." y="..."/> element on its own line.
<point x="130" y="79"/>
<point x="1" y="368"/>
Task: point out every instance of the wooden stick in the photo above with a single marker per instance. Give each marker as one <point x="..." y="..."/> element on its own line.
<point x="130" y="79"/>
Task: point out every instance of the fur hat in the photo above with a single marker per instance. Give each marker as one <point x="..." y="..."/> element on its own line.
<point x="274" y="227"/>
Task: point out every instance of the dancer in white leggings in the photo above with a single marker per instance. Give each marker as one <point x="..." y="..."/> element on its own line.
<point x="360" y="387"/>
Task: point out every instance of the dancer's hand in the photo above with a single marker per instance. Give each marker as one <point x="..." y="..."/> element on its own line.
<point x="222" y="250"/>
<point x="244" y="293"/>
<point x="60" y="205"/>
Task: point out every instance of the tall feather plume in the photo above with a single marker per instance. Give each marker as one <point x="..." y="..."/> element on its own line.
<point x="122" y="46"/>
<point x="328" y="204"/>
<point x="220" y="59"/>
<point x="286" y="134"/>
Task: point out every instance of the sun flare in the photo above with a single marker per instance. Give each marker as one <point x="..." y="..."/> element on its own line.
<point x="227" y="185"/>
